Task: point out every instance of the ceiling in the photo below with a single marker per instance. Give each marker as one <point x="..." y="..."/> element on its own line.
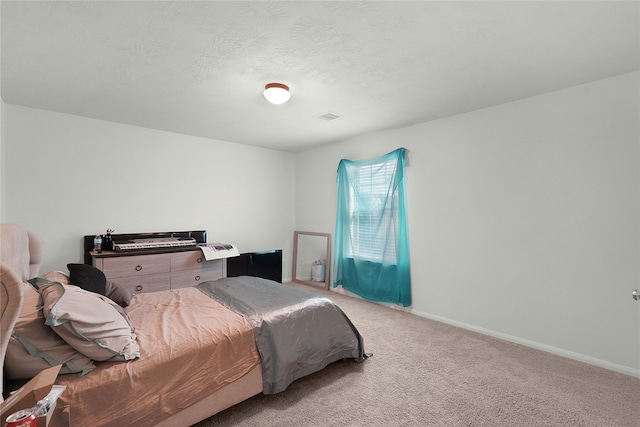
<point x="199" y="67"/>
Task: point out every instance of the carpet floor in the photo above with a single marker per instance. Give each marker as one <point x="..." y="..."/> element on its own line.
<point x="428" y="373"/>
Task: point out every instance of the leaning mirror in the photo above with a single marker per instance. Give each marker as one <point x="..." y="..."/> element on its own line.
<point x="312" y="258"/>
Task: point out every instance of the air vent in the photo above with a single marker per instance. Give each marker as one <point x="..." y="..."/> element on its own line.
<point x="329" y="116"/>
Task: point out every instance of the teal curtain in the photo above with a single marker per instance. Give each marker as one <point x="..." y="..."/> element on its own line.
<point x="371" y="238"/>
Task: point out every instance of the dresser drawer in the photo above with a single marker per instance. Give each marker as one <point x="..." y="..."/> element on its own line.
<point x="183" y="279"/>
<point x="144" y="283"/>
<point x="158" y="272"/>
<point x="187" y="260"/>
<point x="136" y="265"/>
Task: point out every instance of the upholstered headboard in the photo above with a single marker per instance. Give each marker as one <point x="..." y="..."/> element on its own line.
<point x="21" y="250"/>
<point x="21" y="255"/>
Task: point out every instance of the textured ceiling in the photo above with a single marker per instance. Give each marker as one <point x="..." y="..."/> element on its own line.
<point x="199" y="67"/>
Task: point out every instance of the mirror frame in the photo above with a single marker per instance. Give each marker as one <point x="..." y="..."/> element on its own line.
<point x="327" y="267"/>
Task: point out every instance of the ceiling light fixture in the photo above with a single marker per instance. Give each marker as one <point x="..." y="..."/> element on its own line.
<point x="277" y="93"/>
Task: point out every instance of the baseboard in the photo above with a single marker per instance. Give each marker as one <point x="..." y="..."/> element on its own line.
<point x="533" y="344"/>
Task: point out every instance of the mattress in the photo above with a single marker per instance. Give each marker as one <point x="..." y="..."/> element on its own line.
<point x="297" y="332"/>
<point x="190" y="347"/>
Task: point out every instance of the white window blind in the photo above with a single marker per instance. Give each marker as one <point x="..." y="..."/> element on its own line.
<point x="372" y="207"/>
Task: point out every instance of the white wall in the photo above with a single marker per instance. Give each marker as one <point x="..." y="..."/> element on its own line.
<point x="523" y="218"/>
<point x="67" y="176"/>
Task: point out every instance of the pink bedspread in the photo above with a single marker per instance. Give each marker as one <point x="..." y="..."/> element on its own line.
<point x="190" y="345"/>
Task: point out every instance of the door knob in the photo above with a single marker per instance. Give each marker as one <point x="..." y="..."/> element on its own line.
<point x="635" y="294"/>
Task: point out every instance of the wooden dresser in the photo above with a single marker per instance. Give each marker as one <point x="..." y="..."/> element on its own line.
<point x="160" y="271"/>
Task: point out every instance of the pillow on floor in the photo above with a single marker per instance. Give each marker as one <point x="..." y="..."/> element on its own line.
<point x="33" y="346"/>
<point x="92" y="324"/>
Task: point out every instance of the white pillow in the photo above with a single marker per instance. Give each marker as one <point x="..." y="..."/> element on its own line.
<point x="91" y="323"/>
<point x="34" y="346"/>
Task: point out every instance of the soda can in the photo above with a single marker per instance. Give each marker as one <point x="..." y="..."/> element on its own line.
<point x="23" y="418"/>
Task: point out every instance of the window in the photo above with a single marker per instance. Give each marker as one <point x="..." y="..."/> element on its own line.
<point x="372" y="250"/>
<point x="371" y="212"/>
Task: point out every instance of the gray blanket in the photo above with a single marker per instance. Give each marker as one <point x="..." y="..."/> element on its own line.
<point x="297" y="332"/>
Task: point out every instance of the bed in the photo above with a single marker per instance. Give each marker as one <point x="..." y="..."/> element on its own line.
<point x="174" y="357"/>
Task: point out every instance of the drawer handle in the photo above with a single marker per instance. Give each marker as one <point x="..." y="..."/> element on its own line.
<point x="199" y="260"/>
<point x="197" y="278"/>
<point x="139" y="288"/>
<point x="138" y="267"/>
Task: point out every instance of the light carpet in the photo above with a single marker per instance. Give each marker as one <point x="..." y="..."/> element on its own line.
<point x="427" y="373"/>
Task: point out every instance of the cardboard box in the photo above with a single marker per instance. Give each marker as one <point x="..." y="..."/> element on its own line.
<point x="29" y="394"/>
